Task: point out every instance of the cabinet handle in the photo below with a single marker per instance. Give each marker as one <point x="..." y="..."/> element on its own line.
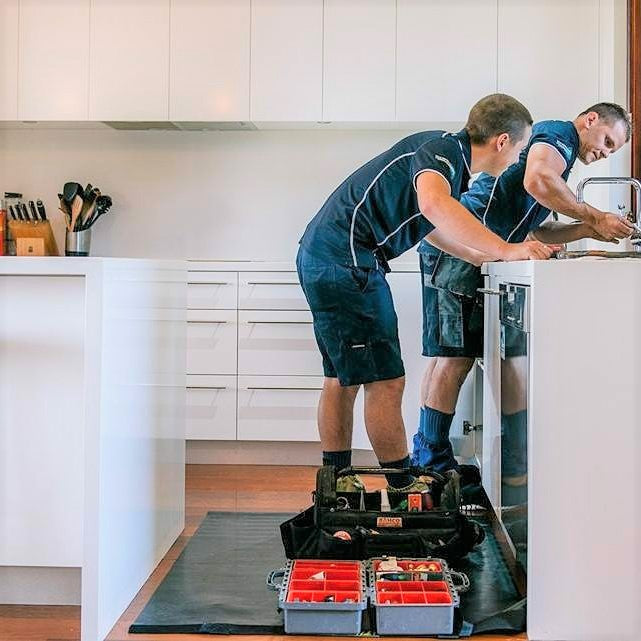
<point x="204" y="387"/>
<point x="490" y="292"/>
<point x="256" y="322"/>
<point x="208" y="322"/>
<point x="289" y="389"/>
<point x="209" y="282"/>
<point x="272" y="282"/>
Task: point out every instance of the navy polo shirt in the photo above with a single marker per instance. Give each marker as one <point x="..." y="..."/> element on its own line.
<point x="374" y="213"/>
<point x="502" y="203"/>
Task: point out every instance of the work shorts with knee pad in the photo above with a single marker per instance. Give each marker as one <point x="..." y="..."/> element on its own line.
<point x="355" y="324"/>
<point x="452" y="306"/>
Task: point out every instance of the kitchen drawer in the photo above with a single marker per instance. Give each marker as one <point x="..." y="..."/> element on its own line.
<point x="212" y="290"/>
<point x="277" y="343"/>
<point x="278" y="408"/>
<point x="211" y="342"/>
<point x="211" y="408"/>
<point x="270" y="290"/>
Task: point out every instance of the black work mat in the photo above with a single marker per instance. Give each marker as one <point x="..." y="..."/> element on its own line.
<point x="217" y="584"/>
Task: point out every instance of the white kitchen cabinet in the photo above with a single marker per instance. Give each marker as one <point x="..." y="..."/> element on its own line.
<point x="8" y="59"/>
<point x="212" y="290"/>
<point x="209" y="60"/>
<point x="211" y="342"/>
<point x="278" y="408"/>
<point x="129" y="69"/>
<point x="359" y="60"/>
<point x="286" y="60"/>
<point x="446" y="57"/>
<point x="270" y="290"/>
<point x="277" y="343"/>
<point x="211" y="408"/>
<point x="534" y="69"/>
<point x="53" y="77"/>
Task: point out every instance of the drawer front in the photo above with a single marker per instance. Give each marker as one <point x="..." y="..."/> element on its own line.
<point x="211" y="342"/>
<point x="270" y="290"/>
<point x="277" y="343"/>
<point x="277" y="408"/>
<point x="211" y="408"/>
<point x="212" y="290"/>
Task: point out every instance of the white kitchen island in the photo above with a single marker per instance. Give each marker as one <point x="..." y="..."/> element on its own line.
<point x="92" y="424"/>
<point x="583" y="423"/>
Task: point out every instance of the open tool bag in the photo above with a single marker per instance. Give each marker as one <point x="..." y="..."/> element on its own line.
<point x="352" y="525"/>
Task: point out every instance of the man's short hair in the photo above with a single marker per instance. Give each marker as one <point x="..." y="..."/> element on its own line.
<point x="612" y="113"/>
<point x="497" y="114"/>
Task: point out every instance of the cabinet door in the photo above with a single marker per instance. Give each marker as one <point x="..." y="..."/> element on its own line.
<point x="270" y="290"/>
<point x="277" y="343"/>
<point x="129" y="71"/>
<point x="8" y="59"/>
<point x="212" y="290"/>
<point x="359" y="60"/>
<point x="211" y="408"/>
<point x="211" y="342"/>
<point x="209" y="66"/>
<point x="286" y="60"/>
<point x="53" y="60"/>
<point x="278" y="408"/>
<point x="446" y="57"/>
<point x="554" y="70"/>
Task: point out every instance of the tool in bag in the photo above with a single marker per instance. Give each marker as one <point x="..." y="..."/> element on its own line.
<point x="352" y="525"/>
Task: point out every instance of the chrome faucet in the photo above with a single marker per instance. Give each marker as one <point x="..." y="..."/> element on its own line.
<point x="618" y="180"/>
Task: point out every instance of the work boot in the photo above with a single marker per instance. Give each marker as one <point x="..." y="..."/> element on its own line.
<point x="350" y="483"/>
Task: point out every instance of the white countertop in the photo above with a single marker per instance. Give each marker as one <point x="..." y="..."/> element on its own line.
<point x="525" y="268"/>
<point x="401" y="264"/>
<point x="78" y="266"/>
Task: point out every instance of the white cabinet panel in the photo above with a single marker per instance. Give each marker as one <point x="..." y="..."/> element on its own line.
<point x="53" y="76"/>
<point x="359" y="60"/>
<point x="446" y="57"/>
<point x="211" y="342"/>
<point x="536" y="69"/>
<point x="270" y="290"/>
<point x="277" y="408"/>
<point x="286" y="60"/>
<point x="212" y="290"/>
<point x="277" y="343"/>
<point x="129" y="71"/>
<point x="8" y="59"/>
<point x="209" y="67"/>
<point x="211" y="408"/>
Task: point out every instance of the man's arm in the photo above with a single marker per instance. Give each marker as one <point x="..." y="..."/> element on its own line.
<point x="556" y="232"/>
<point x="543" y="182"/>
<point x="458" y="224"/>
<point x="468" y="254"/>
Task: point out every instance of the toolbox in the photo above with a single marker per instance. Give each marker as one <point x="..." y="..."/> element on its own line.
<point x="417" y="597"/>
<point x="321" y="597"/>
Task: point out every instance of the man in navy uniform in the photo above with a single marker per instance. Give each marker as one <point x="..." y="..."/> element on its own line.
<point x="383" y="209"/>
<point x="515" y="206"/>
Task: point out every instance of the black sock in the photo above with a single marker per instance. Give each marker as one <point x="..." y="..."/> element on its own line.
<point x="338" y="459"/>
<point x="398" y="481"/>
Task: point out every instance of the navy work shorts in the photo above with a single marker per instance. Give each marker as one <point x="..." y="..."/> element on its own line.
<point x="355" y="323"/>
<point x="452" y="307"/>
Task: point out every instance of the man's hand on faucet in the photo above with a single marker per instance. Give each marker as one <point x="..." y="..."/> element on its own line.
<point x="609" y="227"/>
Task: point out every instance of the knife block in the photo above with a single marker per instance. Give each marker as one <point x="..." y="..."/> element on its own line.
<point x="39" y="233"/>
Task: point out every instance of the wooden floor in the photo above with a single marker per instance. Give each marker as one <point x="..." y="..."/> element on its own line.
<point x="208" y="487"/>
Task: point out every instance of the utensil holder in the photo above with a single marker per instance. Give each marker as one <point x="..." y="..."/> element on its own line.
<point x="77" y="243"/>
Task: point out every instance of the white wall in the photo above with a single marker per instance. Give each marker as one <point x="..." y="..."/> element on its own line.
<point x="220" y="195"/>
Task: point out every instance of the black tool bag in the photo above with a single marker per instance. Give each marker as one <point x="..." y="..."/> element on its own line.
<point x="365" y="533"/>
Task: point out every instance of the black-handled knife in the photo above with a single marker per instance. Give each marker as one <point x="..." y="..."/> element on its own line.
<point x="32" y="209"/>
<point x="12" y="213"/>
<point x="19" y="211"/>
<point x="25" y="211"/>
<point x="41" y="210"/>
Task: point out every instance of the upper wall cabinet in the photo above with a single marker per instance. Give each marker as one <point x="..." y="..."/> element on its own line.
<point x="53" y="60"/>
<point x="446" y="57"/>
<point x="8" y="59"/>
<point x="209" y="60"/>
<point x="554" y="71"/>
<point x="286" y="60"/>
<point x="129" y="74"/>
<point x="359" y="58"/>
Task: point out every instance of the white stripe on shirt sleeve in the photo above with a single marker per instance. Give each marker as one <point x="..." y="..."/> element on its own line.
<point x="438" y="173"/>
